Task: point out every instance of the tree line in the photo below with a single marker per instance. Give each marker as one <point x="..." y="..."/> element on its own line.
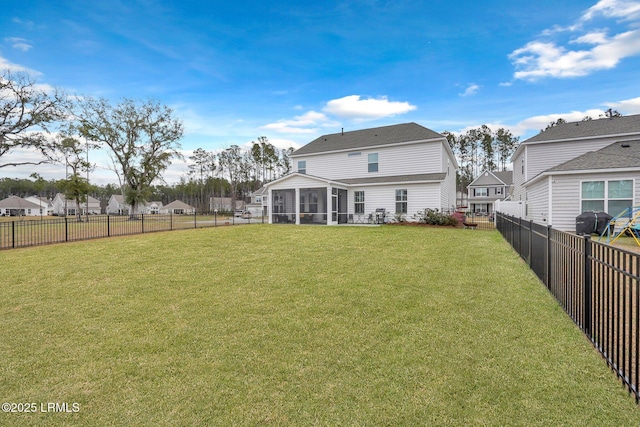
<point x="141" y="138"/>
<point x="481" y="149"/>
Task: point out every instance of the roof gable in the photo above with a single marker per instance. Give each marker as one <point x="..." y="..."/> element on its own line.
<point x="590" y="128"/>
<point x="493" y="178"/>
<point x="178" y="204"/>
<point x="394" y="134"/>
<point x="15" y="202"/>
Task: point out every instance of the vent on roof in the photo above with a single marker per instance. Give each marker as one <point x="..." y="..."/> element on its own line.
<point x="625" y="145"/>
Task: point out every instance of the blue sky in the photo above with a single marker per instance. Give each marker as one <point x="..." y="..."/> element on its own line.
<point x="292" y="71"/>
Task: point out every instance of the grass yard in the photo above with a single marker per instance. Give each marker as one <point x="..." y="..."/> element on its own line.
<point x="286" y="325"/>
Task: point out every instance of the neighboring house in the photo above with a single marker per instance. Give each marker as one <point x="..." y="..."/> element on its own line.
<point x="337" y="178"/>
<point x="117" y="205"/>
<point x="152" y="207"/>
<point x="604" y="180"/>
<point x="60" y="203"/>
<point x="553" y="170"/>
<point x="43" y="202"/>
<point x="487" y="188"/>
<point x="178" y="208"/>
<point x="224" y="204"/>
<point x="17" y="206"/>
<point x="259" y="202"/>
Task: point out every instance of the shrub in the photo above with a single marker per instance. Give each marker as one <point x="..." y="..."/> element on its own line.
<point x="399" y="217"/>
<point x="435" y="217"/>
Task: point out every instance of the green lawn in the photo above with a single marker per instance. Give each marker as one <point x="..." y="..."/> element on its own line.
<point x="285" y="325"/>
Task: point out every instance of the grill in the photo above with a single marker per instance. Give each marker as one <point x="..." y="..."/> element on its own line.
<point x="381" y="213"/>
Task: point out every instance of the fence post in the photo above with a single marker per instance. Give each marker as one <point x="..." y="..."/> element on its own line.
<point x="195" y="219"/>
<point x="171" y="220"/>
<point x="66" y="229"/>
<point x="587" y="286"/>
<point x="142" y="216"/>
<point x="13" y="234"/>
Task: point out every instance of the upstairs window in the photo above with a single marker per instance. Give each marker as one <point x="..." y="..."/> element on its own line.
<point x="481" y="192"/>
<point x="302" y="166"/>
<point x="373" y="162"/>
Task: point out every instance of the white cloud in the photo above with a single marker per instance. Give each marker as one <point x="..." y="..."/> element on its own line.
<point x="470" y="90"/>
<point x="546" y="57"/>
<point x="354" y="108"/>
<point x="627" y="106"/>
<point x="19" y="43"/>
<point x="621" y="9"/>
<point x="596" y="37"/>
<point x="307" y="123"/>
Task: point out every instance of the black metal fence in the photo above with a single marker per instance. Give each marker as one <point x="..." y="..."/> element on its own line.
<point x="597" y="285"/>
<point x="33" y="232"/>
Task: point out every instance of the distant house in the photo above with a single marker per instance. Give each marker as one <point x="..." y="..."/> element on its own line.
<point x="576" y="167"/>
<point x="62" y="206"/>
<point x="152" y="207"/>
<point x="487" y="188"/>
<point x="259" y="205"/>
<point x="43" y="202"/>
<point x="177" y="208"/>
<point x="17" y="206"/>
<point x="352" y="176"/>
<point x="117" y="206"/>
<point x="225" y="204"/>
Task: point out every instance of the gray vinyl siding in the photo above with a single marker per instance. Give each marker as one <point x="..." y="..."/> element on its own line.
<point x="398" y="160"/>
<point x="544" y="156"/>
<point x="518" y="177"/>
<point x="538" y="202"/>
<point x="419" y="197"/>
<point x="566" y="195"/>
<point x="448" y="186"/>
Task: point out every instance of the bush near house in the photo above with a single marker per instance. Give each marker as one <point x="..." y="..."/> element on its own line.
<point x="435" y="217"/>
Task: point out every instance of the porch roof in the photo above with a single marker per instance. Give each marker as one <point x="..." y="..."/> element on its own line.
<point x="423" y="177"/>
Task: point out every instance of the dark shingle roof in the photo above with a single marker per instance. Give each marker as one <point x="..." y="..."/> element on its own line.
<point x="590" y="128"/>
<point x="397" y="178"/>
<point x="505" y="176"/>
<point x="618" y="155"/>
<point x="406" y="132"/>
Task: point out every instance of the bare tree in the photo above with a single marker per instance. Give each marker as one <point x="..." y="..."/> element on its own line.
<point x="27" y="113"/>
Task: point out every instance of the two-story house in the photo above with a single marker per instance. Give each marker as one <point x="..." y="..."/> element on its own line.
<point x="62" y="206"/>
<point x="486" y="189"/>
<point x="351" y="176"/>
<point x="576" y="167"/>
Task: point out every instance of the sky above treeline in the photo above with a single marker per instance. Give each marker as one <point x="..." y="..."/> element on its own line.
<point x="293" y="71"/>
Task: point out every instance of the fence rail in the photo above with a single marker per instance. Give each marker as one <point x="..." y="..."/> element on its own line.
<point x="33" y="232"/>
<point x="597" y="285"/>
